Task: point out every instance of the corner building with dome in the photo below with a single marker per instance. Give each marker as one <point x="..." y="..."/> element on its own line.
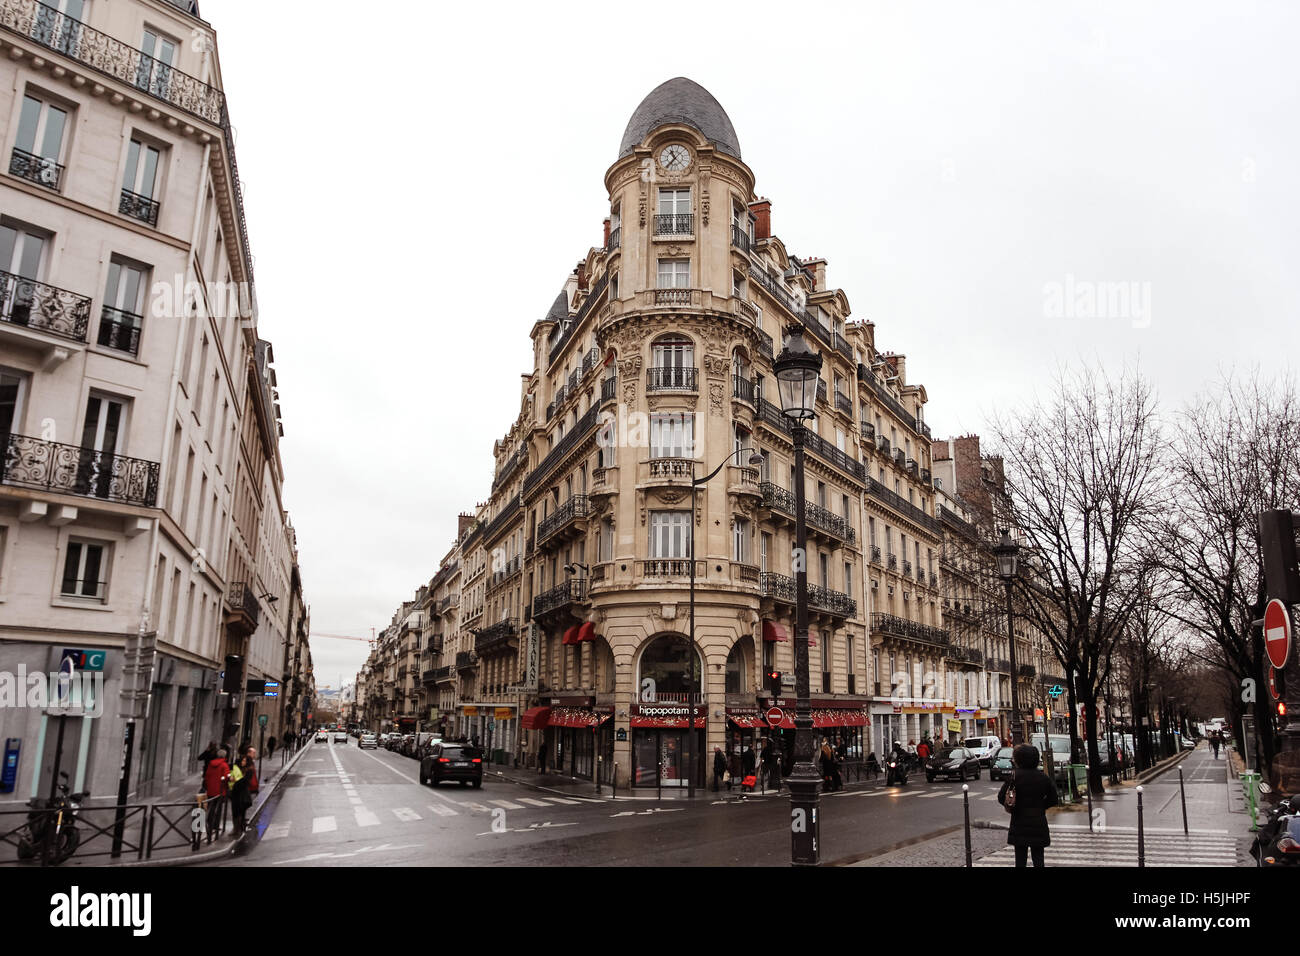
<point x="654" y="365"/>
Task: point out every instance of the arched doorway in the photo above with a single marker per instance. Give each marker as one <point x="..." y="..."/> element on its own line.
<point x="663" y="712"/>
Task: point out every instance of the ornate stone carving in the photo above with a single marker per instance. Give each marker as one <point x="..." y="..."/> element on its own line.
<point x="670" y="496"/>
<point x="715" y="396"/>
<point x="716" y="366"/>
<point x="704" y="204"/>
<point x="628" y="367"/>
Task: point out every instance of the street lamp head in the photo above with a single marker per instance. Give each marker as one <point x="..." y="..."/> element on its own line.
<point x="798" y="369"/>
<point x="1008" y="553"/>
<point x="756" y="459"/>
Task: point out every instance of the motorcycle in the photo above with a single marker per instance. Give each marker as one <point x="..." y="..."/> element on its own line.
<point x="1278" y="840"/>
<point x="61" y="813"/>
<point x="896" y="771"/>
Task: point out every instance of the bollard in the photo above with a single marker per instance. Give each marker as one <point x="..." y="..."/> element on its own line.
<point x="1142" y="850"/>
<point x="600" y="759"/>
<point x="965" y="803"/>
<point x="1182" y="790"/>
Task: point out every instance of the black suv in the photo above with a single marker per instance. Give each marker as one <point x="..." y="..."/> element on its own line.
<point x="448" y="761"/>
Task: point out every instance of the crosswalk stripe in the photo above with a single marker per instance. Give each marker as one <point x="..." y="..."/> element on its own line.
<point x="275" y="831"/>
<point x="405" y="813"/>
<point x="562" y="800"/>
<point x="477" y="807"/>
<point x="442" y="810"/>
<point x="324" y="825"/>
<point x="533" y="803"/>
<point x="931" y="796"/>
<point x="590" y="800"/>
<point x="366" y="818"/>
<point x="1120" y="849"/>
<point x="506" y="804"/>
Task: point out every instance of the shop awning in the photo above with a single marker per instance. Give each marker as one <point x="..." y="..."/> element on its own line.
<point x="535" y="718"/>
<point x="839" y="718"/>
<point x="638" y="720"/>
<point x="587" y="632"/>
<point x="568" y="635"/>
<point x="747" y="721"/>
<point x="773" y="632"/>
<point x="576" y="717"/>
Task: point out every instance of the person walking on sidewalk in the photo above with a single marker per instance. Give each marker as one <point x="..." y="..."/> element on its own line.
<point x="1027" y="796"/>
<point x="288" y="740"/>
<point x="244" y="788"/>
<point x="1215" y="742"/>
<point x="719" y="768"/>
<point x="541" y="757"/>
<point x="216" y="774"/>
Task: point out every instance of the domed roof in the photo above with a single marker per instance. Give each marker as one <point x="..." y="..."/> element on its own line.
<point x="680" y="100"/>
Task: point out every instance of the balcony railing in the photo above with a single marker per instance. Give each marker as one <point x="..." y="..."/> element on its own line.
<point x="1027" y="670"/>
<point x="568" y="592"/>
<point x="509" y="512"/>
<point x="669" y="568"/>
<point x="892" y="626"/>
<point x="241" y="596"/>
<point x="907" y="569"/>
<point x="819" y="446"/>
<point x="466" y="660"/>
<point x="816" y="516"/>
<point x="744" y="573"/>
<point x="671" y="468"/>
<point x="37" y="169"/>
<point x="672" y="378"/>
<point x="843" y="404"/>
<point x="42" y="307"/>
<point x="782" y="588"/>
<point x="901" y="505"/>
<point x="742" y="388"/>
<point x="675" y="224"/>
<point x="511" y="466"/>
<point x="673" y="296"/>
<point x="562" y="448"/>
<point x="739" y="238"/>
<point x="138" y="207"/>
<point x="609" y="389"/>
<point x="893" y="562"/>
<point x="576" y="507"/>
<point x="875" y="554"/>
<point x="70" y="469"/>
<point x="615" y="235"/>
<point x="1000" y="665"/>
<point x="496" y="636"/>
<point x="593" y="297"/>
<point x="120" y="330"/>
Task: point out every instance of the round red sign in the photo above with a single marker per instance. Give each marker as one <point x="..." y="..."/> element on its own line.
<point x="774" y="716"/>
<point x="1272" y="684"/>
<point x="1277" y="633"/>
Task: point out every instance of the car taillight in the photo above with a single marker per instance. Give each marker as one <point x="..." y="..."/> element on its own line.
<point x="444" y="760"/>
<point x="478" y="759"/>
<point x="1288" y="845"/>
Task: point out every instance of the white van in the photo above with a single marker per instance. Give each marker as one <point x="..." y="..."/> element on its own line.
<point x="983" y="747"/>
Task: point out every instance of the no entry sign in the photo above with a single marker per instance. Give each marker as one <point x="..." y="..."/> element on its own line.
<point x="774" y="716"/>
<point x="1277" y="633"/>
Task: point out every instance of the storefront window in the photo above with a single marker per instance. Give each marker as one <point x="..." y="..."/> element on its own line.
<point x="665" y="663"/>
<point x="736" y="670"/>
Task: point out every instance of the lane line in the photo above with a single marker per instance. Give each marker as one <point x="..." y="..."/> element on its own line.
<point x="276" y="831"/>
<point x="506" y="804"/>
<point x="532" y="802"/>
<point x="442" y="810"/>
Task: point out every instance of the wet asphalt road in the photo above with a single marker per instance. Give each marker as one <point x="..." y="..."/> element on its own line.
<point x="345" y="806"/>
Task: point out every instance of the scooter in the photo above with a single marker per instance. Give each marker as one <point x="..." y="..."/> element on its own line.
<point x="1278" y="840"/>
<point x="895" y="772"/>
<point x="61" y="813"/>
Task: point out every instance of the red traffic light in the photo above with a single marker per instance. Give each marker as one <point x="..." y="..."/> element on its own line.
<point x="1281" y="708"/>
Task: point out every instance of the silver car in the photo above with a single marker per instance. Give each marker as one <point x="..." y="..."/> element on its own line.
<point x="368" y="740"/>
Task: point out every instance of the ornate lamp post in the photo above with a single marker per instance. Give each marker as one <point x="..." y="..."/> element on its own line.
<point x="798" y="369"/>
<point x="754" y="459"/>
<point x="1008" y="555"/>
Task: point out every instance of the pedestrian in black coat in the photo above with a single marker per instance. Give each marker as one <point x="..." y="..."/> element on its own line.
<point x="719" y="767"/>
<point x="1034" y="794"/>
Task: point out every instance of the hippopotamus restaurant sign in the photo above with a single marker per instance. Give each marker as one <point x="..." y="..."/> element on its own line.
<point x="667" y="715"/>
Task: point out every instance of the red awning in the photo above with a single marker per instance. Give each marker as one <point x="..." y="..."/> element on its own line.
<point x="585" y="633"/>
<point x="839" y="718"/>
<point x="535" y="718"/>
<point x="637" y="720"/>
<point x="568" y="635"/>
<point x="747" y="721"/>
<point x="576" y="717"/>
<point x="773" y="632"/>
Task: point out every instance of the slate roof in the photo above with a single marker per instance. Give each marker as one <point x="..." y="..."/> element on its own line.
<point x="680" y="100"/>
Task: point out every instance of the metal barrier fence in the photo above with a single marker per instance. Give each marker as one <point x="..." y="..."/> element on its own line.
<point x="145" y="829"/>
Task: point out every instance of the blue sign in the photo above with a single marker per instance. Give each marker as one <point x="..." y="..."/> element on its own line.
<point x="9" y="772"/>
<point x="271" y="689"/>
<point x="91" y="660"/>
<point x="1056" y="691"/>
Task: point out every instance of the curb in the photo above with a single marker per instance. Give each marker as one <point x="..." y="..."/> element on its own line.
<point x="255" y="811"/>
<point x="1146" y="776"/>
<point x="902" y="845"/>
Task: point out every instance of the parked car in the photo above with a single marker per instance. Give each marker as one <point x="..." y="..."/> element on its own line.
<point x="452" y="762"/>
<point x="1001" y="766"/>
<point x="340" y="736"/>
<point x="321" y="736"/>
<point x="1188" y="743"/>
<point x="393" y="742"/>
<point x="983" y="747"/>
<point x="368" y="740"/>
<point x="953" y="762"/>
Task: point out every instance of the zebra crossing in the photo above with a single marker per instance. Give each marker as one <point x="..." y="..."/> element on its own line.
<point x="447" y="807"/>
<point x="1118" y="846"/>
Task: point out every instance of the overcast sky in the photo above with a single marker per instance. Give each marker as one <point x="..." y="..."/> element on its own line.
<point x="420" y="183"/>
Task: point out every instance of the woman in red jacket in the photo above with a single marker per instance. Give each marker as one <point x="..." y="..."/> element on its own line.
<point x="215" y="778"/>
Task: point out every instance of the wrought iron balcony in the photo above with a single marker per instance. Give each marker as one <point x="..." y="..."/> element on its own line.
<point x="70" y="469"/>
<point x="739" y="238"/>
<point x="893" y="562"/>
<point x="511" y="466"/>
<point x="925" y="475"/>
<point x="562" y="448"/>
<point x="120" y="330"/>
<point x="568" y="592"/>
<point x="742" y="388"/>
<point x="44" y="308"/>
<point x="891" y="626"/>
<point x="675" y="224"/>
<point x="781" y="587"/>
<point x="615" y="235"/>
<point x="590" y="360"/>
<point x="843" y="404"/>
<point x="875" y="554"/>
<point x="901" y="505"/>
<point x="821" y="391"/>
<point x="907" y="568"/>
<point x="442" y="673"/>
<point x="672" y="378"/>
<point x="1027" y="670"/>
<point x="815" y="516"/>
<point x="138" y="207"/>
<point x="965" y="655"/>
<point x="771" y="415"/>
<point x="242" y="599"/>
<point x="466" y="661"/>
<point x="1000" y="665"/>
<point x="609" y="389"/>
<point x="571" y="326"/>
<point x="934" y="579"/>
<point x="868" y="432"/>
<point x="496" y="637"/>
<point x="922" y="428"/>
<point x="37" y="169"/>
<point x="576" y="507"/>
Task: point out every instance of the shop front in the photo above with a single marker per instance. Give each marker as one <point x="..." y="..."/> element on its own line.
<point x="580" y="734"/>
<point x="659" y="740"/>
<point x="840" y="723"/>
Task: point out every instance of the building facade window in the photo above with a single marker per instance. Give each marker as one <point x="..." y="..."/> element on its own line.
<point x="85" y="569"/>
<point x="669" y="534"/>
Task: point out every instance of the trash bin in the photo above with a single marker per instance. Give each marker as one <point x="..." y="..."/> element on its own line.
<point x="499" y="756"/>
<point x="1250" y="791"/>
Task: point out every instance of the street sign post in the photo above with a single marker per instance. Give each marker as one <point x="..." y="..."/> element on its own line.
<point x="1277" y="633"/>
<point x="1272" y="684"/>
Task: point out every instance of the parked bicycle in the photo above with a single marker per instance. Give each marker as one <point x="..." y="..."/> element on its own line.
<point x="55" y="820"/>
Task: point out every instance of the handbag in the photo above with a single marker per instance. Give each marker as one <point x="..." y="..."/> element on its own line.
<point x="236" y="775"/>
<point x="1009" y="801"/>
<point x="726" y="776"/>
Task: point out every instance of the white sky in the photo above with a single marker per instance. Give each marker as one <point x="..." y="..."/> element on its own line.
<point x="419" y="184"/>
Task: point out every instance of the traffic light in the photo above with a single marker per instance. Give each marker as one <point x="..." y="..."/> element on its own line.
<point x="1277" y="548"/>
<point x="774" y="682"/>
<point x="1281" y="708"/>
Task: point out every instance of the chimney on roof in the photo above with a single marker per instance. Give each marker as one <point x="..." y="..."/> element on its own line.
<point x="462" y="525"/>
<point x="605" y="242"/>
<point x="817" y="267"/>
<point x="762" y="213"/>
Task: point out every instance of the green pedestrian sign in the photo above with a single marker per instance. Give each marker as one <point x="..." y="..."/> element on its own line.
<point x="262" y="719"/>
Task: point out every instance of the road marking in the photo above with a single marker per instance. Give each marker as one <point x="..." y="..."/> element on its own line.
<point x="931" y="796"/>
<point x="381" y="763"/>
<point x="339" y="856"/>
<point x="442" y="810"/>
<point x="366" y="818"/>
<point x="548" y="825"/>
<point x="478" y="806"/>
<point x="507" y="804"/>
<point x="275" y="831"/>
<point x="324" y="825"/>
<point x="563" y="800"/>
<point x="590" y="800"/>
<point x="405" y="813"/>
<point x="533" y="803"/>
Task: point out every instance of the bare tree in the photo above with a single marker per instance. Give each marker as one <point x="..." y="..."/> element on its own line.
<point x="1081" y="476"/>
<point x="1236" y="452"/>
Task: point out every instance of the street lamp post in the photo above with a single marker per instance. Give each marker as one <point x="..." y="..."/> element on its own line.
<point x="1008" y="555"/>
<point x="689" y="755"/>
<point x="798" y="370"/>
